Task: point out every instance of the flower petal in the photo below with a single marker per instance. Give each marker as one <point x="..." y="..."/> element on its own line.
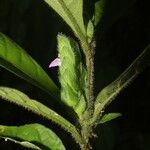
<point x="56" y="62"/>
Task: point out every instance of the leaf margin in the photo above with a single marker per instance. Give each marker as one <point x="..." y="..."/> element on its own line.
<point x="137" y="66"/>
<point x="44" y="82"/>
<point x="25" y="133"/>
<point x="40" y="109"/>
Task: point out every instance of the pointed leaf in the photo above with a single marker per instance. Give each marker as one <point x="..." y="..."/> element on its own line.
<point x="99" y="10"/>
<point x="19" y="98"/>
<point x="109" y="117"/>
<point x="72" y="74"/>
<point x="112" y="90"/>
<point x="23" y="143"/>
<point x="90" y="31"/>
<point x="107" y="12"/>
<point x="17" y="61"/>
<point x="72" y="12"/>
<point x="34" y="133"/>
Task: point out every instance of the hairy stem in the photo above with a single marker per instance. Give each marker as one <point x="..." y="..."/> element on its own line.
<point x="89" y="57"/>
<point x="88" y="52"/>
<point x="86" y="128"/>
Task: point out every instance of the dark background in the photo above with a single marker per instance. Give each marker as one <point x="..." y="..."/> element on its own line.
<point x="121" y="35"/>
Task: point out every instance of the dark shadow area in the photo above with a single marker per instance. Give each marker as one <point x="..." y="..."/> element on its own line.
<point x="122" y="34"/>
<point x="121" y="38"/>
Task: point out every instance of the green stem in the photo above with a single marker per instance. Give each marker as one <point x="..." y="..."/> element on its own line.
<point x="89" y="57"/>
<point x="88" y="54"/>
<point x="86" y="130"/>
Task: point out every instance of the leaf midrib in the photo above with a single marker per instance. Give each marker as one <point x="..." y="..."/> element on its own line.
<point x="82" y="37"/>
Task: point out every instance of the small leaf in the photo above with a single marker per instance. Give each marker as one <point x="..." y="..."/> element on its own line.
<point x="99" y="10"/>
<point x="72" y="12"/>
<point x="108" y="94"/>
<point x="109" y="117"/>
<point x="33" y="133"/>
<point x="72" y="74"/>
<point x="19" y="98"/>
<point x="17" y="61"/>
<point x="90" y="30"/>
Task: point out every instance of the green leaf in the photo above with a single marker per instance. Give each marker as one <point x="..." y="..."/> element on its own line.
<point x="72" y="74"/>
<point x="23" y="143"/>
<point x="107" y="12"/>
<point x="19" y="98"/>
<point x="109" y="117"/>
<point x="108" y="94"/>
<point x="72" y="13"/>
<point x="17" y="61"/>
<point x="90" y="31"/>
<point x="99" y="10"/>
<point x="33" y="133"/>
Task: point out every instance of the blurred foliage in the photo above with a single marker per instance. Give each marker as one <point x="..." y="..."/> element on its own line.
<point x="124" y="31"/>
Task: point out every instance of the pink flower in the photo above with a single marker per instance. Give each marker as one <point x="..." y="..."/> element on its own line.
<point x="56" y="62"/>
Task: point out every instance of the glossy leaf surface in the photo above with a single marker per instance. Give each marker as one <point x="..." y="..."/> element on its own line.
<point x="21" y="99"/>
<point x="72" y="13"/>
<point x="36" y="133"/>
<point x="19" y="62"/>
